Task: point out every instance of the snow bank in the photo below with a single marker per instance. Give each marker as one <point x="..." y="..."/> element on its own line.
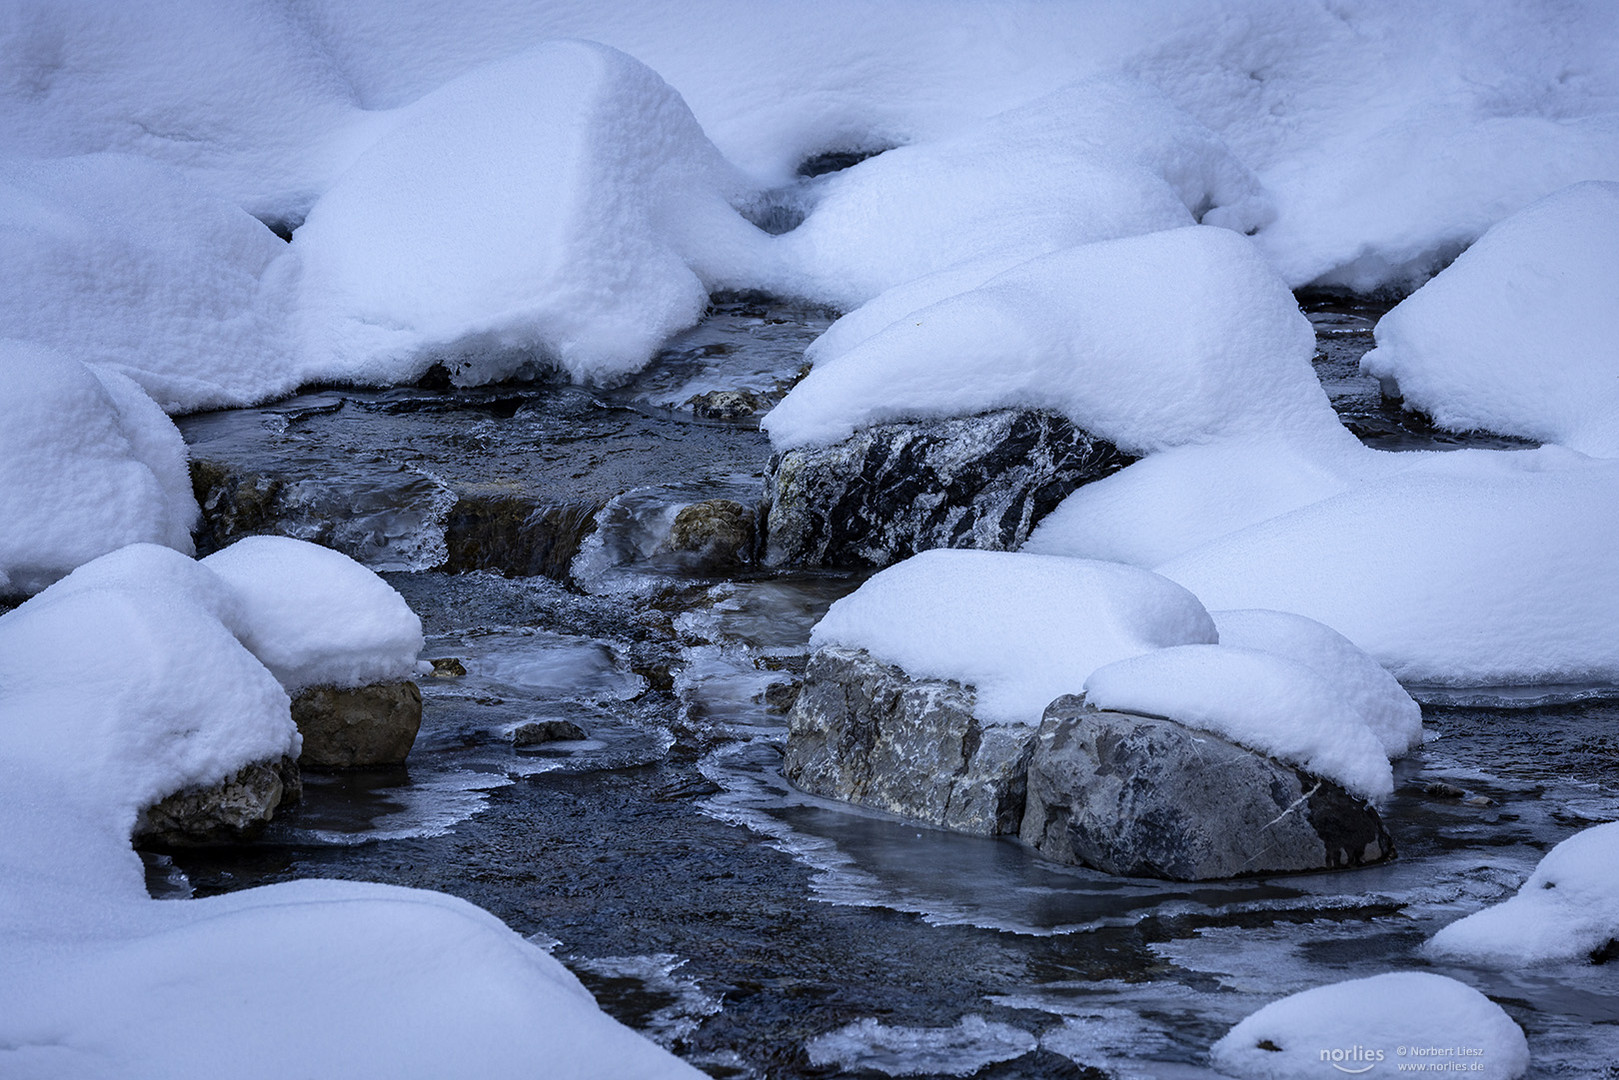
<point x="87" y="464"/>
<point x="560" y="206"/>
<point x="1516" y="335"/>
<point x="1255" y="699"/>
<point x="1153" y="341"/>
<point x="1022" y="629"/>
<point x="315" y="617"/>
<point x="1362" y="1024"/>
<point x="1567" y="912"/>
<point x="120" y="261"/>
<point x="1094" y="161"/>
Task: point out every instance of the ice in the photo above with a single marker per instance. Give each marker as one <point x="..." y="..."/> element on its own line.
<point x="316" y="617"/>
<point x="1516" y="336"/>
<point x="1357" y="1026"/>
<point x="87" y="464"/>
<point x="1152" y="341"/>
<point x="915" y="1051"/>
<point x="1022" y="629"/>
<point x="1567" y="912"/>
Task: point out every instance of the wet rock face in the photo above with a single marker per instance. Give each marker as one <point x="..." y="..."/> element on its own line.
<point x="370" y="725"/>
<point x="233" y="810"/>
<point x="889" y="492"/>
<point x="867" y="733"/>
<point x="715" y="533"/>
<point x="1150" y="798"/>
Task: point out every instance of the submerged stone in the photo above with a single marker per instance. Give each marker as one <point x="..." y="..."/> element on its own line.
<point x="717" y="532"/>
<point x="539" y="732"/>
<point x="368" y="725"/>
<point x="235" y="809"/>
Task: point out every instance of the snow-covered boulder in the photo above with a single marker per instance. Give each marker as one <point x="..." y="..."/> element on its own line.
<point x="1516" y="335"/>
<point x="560" y="207"/>
<point x="1567" y="912"/>
<point x="87" y="464"/>
<point x="117" y="260"/>
<point x="1407" y="1017"/>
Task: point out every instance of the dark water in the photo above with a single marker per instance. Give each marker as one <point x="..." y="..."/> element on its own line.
<point x="759" y="932"/>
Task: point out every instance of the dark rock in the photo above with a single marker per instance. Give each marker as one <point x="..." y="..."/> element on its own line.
<point x="235" y="809"/>
<point x="865" y="732"/>
<point x="1151" y="798"/>
<point x="536" y="732"/>
<point x="888" y="492"/>
<point x="717" y="532"/>
<point x="516" y="536"/>
<point x="779" y="697"/>
<point x="369" y="725"/>
<point x="448" y="667"/>
<point x="724" y="404"/>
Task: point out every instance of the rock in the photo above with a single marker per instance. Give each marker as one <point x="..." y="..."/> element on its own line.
<point x="865" y="732"/>
<point x="536" y="732"/>
<point x="890" y="491"/>
<point x="1147" y="797"/>
<point x="724" y="404"/>
<point x="369" y="725"/>
<point x="230" y="811"/>
<point x="448" y="667"/>
<point x="717" y="532"/>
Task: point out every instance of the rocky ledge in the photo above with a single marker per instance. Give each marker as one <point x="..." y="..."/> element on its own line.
<point x="891" y="491"/>
<point x="1124" y="794"/>
<point x="235" y="809"/>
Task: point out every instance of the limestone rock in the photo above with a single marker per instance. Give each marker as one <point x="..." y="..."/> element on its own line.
<point x="890" y="491"/>
<point x="865" y="732"/>
<point x="717" y="532"/>
<point x="369" y="725"/>
<point x="1147" y="797"/>
<point x="232" y="810"/>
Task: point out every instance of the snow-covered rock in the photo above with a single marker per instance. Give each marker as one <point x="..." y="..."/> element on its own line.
<point x="314" y="616"/>
<point x="1516" y="335"/>
<point x="1567" y="912"/>
<point x="87" y="464"/>
<point x="1407" y="1017"/>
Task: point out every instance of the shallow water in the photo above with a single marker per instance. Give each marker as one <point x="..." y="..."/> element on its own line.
<point x="761" y="932"/>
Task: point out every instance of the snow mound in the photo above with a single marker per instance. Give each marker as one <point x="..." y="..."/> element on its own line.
<point x="1021" y="629"/>
<point x="1408" y="1017"/>
<point x="1470" y="568"/>
<point x="1094" y="161"/>
<point x="315" y="617"/>
<point x="120" y="261"/>
<point x="1255" y="699"/>
<point x="1375" y="696"/>
<point x="559" y="207"/>
<point x="1567" y="912"/>
<point x="87" y="464"/>
<point x="1152" y="341"/>
<point x="1516" y="335"/>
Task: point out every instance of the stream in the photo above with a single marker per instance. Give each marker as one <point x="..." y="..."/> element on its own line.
<point x="754" y="930"/>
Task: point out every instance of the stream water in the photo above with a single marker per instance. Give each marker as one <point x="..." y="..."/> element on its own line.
<point x="754" y="930"/>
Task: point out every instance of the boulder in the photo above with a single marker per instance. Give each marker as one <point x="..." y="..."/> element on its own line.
<point x="364" y="726"/>
<point x="724" y="404"/>
<point x="1148" y="797"/>
<point x="866" y="732"/>
<point x="716" y="533"/>
<point x="540" y="732"/>
<point x="890" y="491"/>
<point x="235" y="809"/>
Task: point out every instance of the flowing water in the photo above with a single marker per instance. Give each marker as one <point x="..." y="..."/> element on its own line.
<point x="755" y="930"/>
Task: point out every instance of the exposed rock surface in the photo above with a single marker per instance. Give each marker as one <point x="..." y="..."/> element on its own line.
<point x="234" y="809"/>
<point x="717" y="533"/>
<point x="865" y="732"/>
<point x="724" y="404"/>
<point x="539" y="732"/>
<point x="369" y="725"/>
<point x="1151" y="798"/>
<point x="890" y="491"/>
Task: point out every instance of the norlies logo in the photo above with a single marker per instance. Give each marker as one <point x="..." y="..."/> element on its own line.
<point x="1355" y="1060"/>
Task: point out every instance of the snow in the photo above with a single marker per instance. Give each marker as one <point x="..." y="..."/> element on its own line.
<point x="961" y="1050"/>
<point x="1256" y="699"/>
<point x="1401" y="1018"/>
<point x="120" y="261"/>
<point x="315" y="617"/>
<point x="557" y="207"/>
<point x="1566" y="912"/>
<point x="87" y="464"/>
<point x="1515" y="336"/>
<point x="1152" y="341"/>
<point x="1021" y="629"/>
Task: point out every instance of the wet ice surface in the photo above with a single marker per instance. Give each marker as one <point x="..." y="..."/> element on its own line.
<point x="759" y="931"/>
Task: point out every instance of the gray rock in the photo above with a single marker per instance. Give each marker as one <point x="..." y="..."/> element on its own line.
<point x="369" y="725"/>
<point x="538" y="732"/>
<point x="230" y="811"/>
<point x="724" y="404"/>
<point x="865" y="732"/>
<point x="1151" y="798"/>
<point x="891" y="491"/>
<point x="714" y="533"/>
